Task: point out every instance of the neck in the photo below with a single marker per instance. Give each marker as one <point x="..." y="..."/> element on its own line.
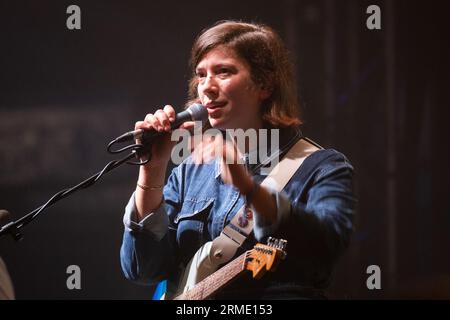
<point x="210" y="285"/>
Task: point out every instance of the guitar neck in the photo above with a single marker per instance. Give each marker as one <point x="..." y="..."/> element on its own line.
<point x="213" y="283"/>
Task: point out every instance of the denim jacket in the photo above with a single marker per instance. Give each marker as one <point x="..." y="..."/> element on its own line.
<point x="314" y="214"/>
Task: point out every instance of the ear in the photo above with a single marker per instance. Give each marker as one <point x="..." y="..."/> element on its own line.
<point x="265" y="92"/>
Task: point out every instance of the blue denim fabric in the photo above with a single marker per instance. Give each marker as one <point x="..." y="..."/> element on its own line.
<point x="315" y="216"/>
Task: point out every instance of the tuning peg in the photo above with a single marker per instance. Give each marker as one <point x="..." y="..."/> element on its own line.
<point x="277" y="243"/>
<point x="283" y="244"/>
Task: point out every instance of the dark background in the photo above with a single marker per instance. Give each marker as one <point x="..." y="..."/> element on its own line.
<point x="378" y="96"/>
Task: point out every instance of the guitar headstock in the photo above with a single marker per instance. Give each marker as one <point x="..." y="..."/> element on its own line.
<point x="263" y="258"/>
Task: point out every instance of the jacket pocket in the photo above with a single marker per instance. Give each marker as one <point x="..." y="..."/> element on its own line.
<point x="194" y="209"/>
<point x="191" y="225"/>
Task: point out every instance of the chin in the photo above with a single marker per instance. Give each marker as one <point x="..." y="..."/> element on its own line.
<point x="217" y="123"/>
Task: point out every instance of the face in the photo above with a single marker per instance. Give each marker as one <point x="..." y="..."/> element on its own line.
<point x="225" y="87"/>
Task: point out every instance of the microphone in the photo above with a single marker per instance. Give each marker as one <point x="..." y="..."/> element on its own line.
<point x="195" y="112"/>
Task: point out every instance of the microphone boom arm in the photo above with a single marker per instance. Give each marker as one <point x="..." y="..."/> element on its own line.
<point x="194" y="112"/>
<point x="13" y="228"/>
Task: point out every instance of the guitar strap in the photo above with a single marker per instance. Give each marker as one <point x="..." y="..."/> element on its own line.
<point x="219" y="251"/>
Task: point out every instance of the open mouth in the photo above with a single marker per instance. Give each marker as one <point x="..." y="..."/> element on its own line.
<point x="215" y="105"/>
<point x="215" y="109"/>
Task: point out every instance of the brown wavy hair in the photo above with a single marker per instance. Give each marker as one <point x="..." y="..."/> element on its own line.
<point x="270" y="66"/>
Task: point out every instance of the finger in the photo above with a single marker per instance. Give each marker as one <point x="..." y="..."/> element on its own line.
<point x="153" y="122"/>
<point x="214" y="147"/>
<point x="229" y="153"/>
<point x="188" y="125"/>
<point x="142" y="125"/>
<point x="196" y="154"/>
<point x="170" y="111"/>
<point x="208" y="153"/>
<point x="225" y="172"/>
<point x="163" y="119"/>
<point x="139" y="125"/>
<point x="202" y="152"/>
<point x="237" y="153"/>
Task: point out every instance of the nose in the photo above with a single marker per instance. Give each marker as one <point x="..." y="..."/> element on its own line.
<point x="209" y="87"/>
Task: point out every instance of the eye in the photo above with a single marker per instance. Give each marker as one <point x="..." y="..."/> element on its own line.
<point x="224" y="72"/>
<point x="200" y="74"/>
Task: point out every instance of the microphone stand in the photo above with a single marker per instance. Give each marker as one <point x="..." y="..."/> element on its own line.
<point x="138" y="150"/>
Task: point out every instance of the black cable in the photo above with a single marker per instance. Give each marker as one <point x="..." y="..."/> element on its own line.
<point x="138" y="151"/>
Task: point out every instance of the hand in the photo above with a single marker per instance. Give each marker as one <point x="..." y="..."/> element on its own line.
<point x="236" y="174"/>
<point x="154" y="172"/>
<point x="232" y="170"/>
<point x="161" y="121"/>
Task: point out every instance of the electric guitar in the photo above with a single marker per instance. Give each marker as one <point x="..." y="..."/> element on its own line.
<point x="259" y="260"/>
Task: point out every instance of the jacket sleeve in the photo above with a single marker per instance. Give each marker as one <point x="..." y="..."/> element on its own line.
<point x="317" y="221"/>
<point x="148" y="251"/>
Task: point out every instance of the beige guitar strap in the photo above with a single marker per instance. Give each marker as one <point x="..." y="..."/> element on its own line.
<point x="219" y="251"/>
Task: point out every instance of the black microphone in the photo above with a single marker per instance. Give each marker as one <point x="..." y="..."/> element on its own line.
<point x="195" y="112"/>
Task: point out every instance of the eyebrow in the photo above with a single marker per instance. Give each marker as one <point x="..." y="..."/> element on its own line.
<point x="219" y="65"/>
